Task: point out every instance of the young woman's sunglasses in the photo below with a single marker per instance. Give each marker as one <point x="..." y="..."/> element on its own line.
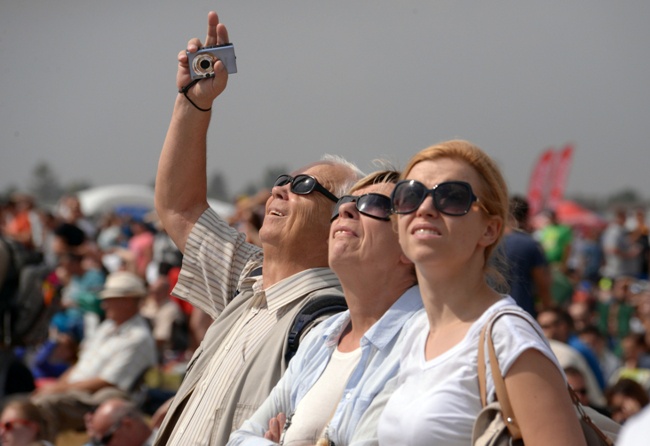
<point x="304" y="185"/>
<point x="373" y="205"/>
<point x="453" y="198"/>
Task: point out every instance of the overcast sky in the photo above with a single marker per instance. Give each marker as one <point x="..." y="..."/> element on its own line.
<point x="88" y="86"/>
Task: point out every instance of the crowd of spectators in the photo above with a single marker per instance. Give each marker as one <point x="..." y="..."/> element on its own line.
<point x="82" y="250"/>
<point x="594" y="304"/>
<point x="79" y="253"/>
<point x="589" y="289"/>
<point x="598" y="316"/>
<point x="114" y="334"/>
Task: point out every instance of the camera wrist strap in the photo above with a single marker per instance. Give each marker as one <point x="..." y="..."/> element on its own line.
<point x="186" y="88"/>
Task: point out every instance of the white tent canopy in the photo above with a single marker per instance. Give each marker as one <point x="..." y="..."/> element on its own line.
<point x="98" y="200"/>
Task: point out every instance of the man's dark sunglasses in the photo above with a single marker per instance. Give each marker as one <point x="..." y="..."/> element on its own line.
<point x="304" y="185"/>
<point x="373" y="205"/>
<point x="453" y="198"/>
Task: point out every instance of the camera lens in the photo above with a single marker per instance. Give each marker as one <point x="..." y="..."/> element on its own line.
<point x="202" y="65"/>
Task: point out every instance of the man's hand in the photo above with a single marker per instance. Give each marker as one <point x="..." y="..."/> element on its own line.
<point x="206" y="90"/>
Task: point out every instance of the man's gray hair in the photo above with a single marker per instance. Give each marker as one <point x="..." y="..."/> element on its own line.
<point x="356" y="173"/>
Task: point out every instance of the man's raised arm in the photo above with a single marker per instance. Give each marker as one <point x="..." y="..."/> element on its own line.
<point x="181" y="184"/>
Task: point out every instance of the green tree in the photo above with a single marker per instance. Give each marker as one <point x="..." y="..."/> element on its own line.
<point x="624" y="197"/>
<point x="44" y="184"/>
<point x="217" y="187"/>
<point x="271" y="174"/>
<point x="266" y="182"/>
<point x="77" y="186"/>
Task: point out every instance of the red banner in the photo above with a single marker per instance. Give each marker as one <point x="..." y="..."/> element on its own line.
<point x="560" y="176"/>
<point x="538" y="188"/>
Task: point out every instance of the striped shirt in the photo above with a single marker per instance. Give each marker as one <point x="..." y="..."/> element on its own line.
<point x="216" y="264"/>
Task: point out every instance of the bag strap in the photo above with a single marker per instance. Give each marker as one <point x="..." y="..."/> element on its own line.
<point x="497" y="378"/>
<point x="500" y="386"/>
<point x="587" y="419"/>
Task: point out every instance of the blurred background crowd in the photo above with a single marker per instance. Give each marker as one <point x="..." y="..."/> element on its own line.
<point x="587" y="285"/>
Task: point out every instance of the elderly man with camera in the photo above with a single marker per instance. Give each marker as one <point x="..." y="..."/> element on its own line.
<point x="242" y="355"/>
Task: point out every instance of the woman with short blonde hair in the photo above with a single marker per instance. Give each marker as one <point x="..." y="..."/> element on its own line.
<point x="451" y="209"/>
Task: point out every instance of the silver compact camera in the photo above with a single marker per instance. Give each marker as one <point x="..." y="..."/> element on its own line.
<point x="202" y="62"/>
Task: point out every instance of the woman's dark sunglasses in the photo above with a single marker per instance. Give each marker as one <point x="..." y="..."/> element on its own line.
<point x="304" y="185"/>
<point x="453" y="198"/>
<point x="373" y="205"/>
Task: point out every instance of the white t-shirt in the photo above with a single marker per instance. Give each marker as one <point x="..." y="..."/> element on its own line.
<point x="636" y="430"/>
<point x="437" y="401"/>
<point x="117" y="354"/>
<point x="315" y="410"/>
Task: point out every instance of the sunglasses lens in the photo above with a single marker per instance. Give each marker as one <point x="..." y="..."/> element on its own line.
<point x="282" y="180"/>
<point x="453" y="198"/>
<point x="374" y="205"/>
<point x="407" y="196"/>
<point x="303" y="185"/>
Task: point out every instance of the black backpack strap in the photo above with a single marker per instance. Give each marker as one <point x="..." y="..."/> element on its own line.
<point x="311" y="314"/>
<point x="256" y="272"/>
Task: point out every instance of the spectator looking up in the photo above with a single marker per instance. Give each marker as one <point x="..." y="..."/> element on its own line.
<point x="347" y="359"/>
<point x="241" y="357"/>
<point x="452" y="206"/>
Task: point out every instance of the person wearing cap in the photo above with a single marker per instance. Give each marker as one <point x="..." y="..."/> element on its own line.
<point x="110" y="362"/>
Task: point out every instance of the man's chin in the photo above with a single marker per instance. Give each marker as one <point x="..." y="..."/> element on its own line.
<point x="268" y="235"/>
